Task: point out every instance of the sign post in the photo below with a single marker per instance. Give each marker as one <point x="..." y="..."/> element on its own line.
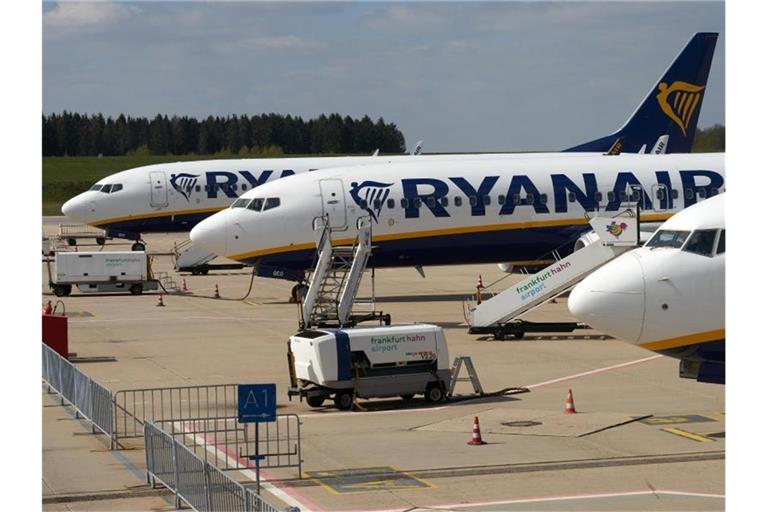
<point x="256" y="403"/>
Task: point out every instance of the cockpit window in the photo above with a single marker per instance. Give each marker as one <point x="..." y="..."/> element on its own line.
<point x="668" y="238"/>
<point x="95" y="188"/>
<point x="721" y="243"/>
<point x="701" y="242"/>
<point x="272" y="202"/>
<point x="116" y="187"/>
<point x="106" y="189"/>
<point x="256" y="204"/>
<point x="240" y="203"/>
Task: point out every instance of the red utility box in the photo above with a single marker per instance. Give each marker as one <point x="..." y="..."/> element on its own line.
<point x="55" y="334"/>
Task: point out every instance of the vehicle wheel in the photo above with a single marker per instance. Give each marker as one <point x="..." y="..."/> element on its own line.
<point x="388" y="321"/>
<point x="100" y="240"/>
<point x="294" y="299"/>
<point x="62" y="290"/>
<point x="434" y="393"/>
<point x="136" y="289"/>
<point x="408" y="396"/>
<point x="499" y="334"/>
<point x="519" y="335"/>
<point x="204" y="272"/>
<point x="343" y="400"/>
<point x="71" y="242"/>
<point x="138" y="246"/>
<point x="315" y="401"/>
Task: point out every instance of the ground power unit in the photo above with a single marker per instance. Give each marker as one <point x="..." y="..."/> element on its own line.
<point x="126" y="271"/>
<point x="344" y="364"/>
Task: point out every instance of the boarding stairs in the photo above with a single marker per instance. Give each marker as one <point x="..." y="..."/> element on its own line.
<point x="189" y="257"/>
<point x="330" y="300"/>
<point x="167" y="283"/>
<point x="500" y="314"/>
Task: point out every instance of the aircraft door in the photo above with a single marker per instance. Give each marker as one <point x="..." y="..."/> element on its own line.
<point x="334" y="204"/>
<point x="660" y="197"/>
<point x="158" y="191"/>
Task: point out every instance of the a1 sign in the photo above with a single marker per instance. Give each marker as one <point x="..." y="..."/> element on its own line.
<point x="256" y="403"/>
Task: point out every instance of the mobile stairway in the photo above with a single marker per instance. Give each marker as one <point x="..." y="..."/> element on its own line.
<point x="500" y="315"/>
<point x="188" y="257"/>
<point x="331" y="299"/>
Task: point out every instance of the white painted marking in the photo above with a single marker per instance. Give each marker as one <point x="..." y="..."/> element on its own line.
<point x="561" y="498"/>
<point x="593" y="372"/>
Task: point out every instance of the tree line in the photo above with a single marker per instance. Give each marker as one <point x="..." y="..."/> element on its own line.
<point x="710" y="139"/>
<point x="74" y="134"/>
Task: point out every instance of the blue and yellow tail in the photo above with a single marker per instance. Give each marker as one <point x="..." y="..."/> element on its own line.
<point x="666" y="120"/>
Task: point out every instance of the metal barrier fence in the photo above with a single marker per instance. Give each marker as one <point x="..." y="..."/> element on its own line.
<point x="236" y="445"/>
<point x="132" y="407"/>
<point x="200" y="484"/>
<point x="89" y="398"/>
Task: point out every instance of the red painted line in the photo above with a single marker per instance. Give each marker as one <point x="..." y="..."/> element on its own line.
<point x="306" y="503"/>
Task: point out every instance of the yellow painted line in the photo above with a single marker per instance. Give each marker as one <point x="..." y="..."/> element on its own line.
<point x="438" y="232"/>
<point x="689" y="435"/>
<point x="371" y="485"/>
<point x="156" y="214"/>
<point x="683" y="341"/>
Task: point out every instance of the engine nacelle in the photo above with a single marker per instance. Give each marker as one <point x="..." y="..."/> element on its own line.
<point x="585" y="240"/>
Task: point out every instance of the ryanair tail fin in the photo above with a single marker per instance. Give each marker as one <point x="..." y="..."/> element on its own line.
<point x="672" y="106"/>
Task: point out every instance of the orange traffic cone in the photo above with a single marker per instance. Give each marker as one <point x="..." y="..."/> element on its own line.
<point x="183" y="285"/>
<point x="553" y="301"/>
<point x="216" y="292"/>
<point x="570" y="407"/>
<point x="160" y="301"/>
<point x="477" y="439"/>
<point x="47" y="309"/>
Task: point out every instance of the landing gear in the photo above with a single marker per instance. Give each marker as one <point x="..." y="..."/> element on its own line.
<point x="343" y="400"/>
<point x="298" y="292"/>
<point x="139" y="247"/>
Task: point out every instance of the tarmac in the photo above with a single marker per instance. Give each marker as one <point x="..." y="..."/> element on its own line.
<point x="643" y="439"/>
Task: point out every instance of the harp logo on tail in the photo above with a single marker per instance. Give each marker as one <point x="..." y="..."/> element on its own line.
<point x="370" y="196"/>
<point x="679" y="101"/>
<point x="183" y="183"/>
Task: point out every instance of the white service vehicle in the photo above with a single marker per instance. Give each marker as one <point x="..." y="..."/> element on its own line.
<point x="102" y="272"/>
<point x="403" y="360"/>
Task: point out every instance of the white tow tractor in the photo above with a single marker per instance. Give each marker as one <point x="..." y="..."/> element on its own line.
<point x="377" y="362"/>
<point x="127" y="271"/>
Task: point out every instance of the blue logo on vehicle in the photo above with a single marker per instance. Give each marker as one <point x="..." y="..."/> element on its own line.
<point x="370" y="195"/>
<point x="184" y="183"/>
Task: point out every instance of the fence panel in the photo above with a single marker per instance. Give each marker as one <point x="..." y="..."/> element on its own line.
<point x="226" y="494"/>
<point x="102" y="413"/>
<point x="191" y="474"/>
<point x="159" y="454"/>
<point x="67" y="389"/>
<point x="81" y="398"/>
<point x="258" y="504"/>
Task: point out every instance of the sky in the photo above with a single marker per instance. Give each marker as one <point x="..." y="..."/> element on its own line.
<point x="462" y="76"/>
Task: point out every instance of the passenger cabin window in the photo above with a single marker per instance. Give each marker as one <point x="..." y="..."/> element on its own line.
<point x="376" y="204"/>
<point x="457" y="201"/>
<point x="702" y="242"/>
<point x="675" y="193"/>
<point x="241" y="203"/>
<point x="431" y="202"/>
<point x="390" y="204"/>
<point x="502" y="198"/>
<point x="443" y="201"/>
<point x="473" y="200"/>
<point x="244" y="186"/>
<point x="256" y="204"/>
<point x="197" y="188"/>
<point x="272" y="202"/>
<point x="543" y="199"/>
<point x="404" y="203"/>
<point x="721" y="243"/>
<point x="668" y="238"/>
<point x="598" y="197"/>
<point x="487" y="200"/>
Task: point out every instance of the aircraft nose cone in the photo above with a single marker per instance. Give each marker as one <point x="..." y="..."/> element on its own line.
<point x="211" y="234"/>
<point x="74" y="209"/>
<point x="612" y="299"/>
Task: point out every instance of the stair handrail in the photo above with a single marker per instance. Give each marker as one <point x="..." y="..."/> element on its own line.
<point x="364" y="229"/>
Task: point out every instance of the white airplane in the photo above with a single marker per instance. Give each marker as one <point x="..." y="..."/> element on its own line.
<point x="174" y="197"/>
<point x="669" y="295"/>
<point x="455" y="212"/>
